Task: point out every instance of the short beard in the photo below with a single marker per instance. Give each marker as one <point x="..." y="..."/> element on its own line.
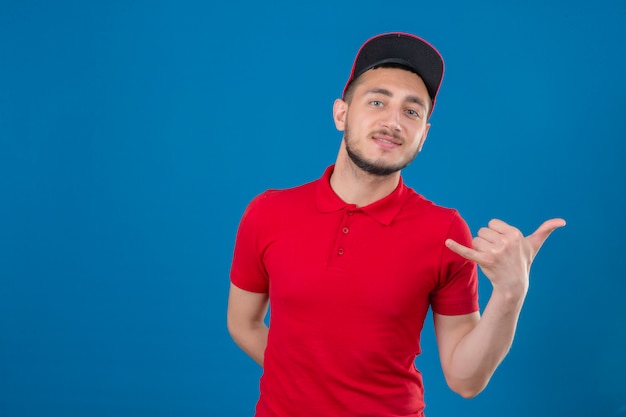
<point x="372" y="167"/>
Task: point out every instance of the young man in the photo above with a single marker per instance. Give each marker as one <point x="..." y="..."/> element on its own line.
<point x="350" y="263"/>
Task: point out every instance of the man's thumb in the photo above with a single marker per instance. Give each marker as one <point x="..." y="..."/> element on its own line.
<point x="541" y="234"/>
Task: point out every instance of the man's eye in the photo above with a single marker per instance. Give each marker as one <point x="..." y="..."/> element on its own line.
<point x="413" y="113"/>
<point x="376" y="103"/>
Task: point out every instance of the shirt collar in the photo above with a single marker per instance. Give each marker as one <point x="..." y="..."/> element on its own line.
<point x="383" y="210"/>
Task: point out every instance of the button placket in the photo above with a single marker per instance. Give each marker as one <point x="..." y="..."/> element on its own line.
<point x="342" y="234"/>
<point x="345" y="230"/>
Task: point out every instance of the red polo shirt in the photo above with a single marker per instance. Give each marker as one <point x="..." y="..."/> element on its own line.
<point x="349" y="290"/>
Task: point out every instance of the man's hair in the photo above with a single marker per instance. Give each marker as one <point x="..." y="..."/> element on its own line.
<point x="347" y="97"/>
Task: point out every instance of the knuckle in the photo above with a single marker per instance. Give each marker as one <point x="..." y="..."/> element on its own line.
<point x="488" y="260"/>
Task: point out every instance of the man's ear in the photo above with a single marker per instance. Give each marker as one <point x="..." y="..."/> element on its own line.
<point x="340" y="110"/>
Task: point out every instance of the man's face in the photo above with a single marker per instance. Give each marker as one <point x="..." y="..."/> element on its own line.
<point x="385" y="124"/>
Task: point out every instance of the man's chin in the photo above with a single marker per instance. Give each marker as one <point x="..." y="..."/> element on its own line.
<point x="376" y="168"/>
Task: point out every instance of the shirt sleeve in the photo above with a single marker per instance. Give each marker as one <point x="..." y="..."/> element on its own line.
<point x="247" y="270"/>
<point x="457" y="292"/>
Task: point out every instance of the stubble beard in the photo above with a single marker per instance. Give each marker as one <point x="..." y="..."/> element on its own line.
<point x="374" y="167"/>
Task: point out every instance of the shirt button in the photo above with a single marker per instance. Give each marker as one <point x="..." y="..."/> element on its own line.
<point x="340" y="251"/>
<point x="345" y="230"/>
<point x="350" y="212"/>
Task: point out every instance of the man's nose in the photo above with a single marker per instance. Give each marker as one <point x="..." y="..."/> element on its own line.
<point x="392" y="119"/>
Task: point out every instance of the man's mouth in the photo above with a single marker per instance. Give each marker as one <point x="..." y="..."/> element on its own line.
<point x="387" y="139"/>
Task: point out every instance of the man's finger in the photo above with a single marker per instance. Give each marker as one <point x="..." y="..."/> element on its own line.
<point x="459" y="249"/>
<point x="541" y="234"/>
<point x="498" y="225"/>
<point x="489" y="235"/>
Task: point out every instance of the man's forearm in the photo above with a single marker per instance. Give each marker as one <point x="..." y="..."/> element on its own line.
<point x="481" y="350"/>
<point x="252" y="339"/>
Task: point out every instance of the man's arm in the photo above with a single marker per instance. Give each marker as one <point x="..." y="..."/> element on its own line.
<point x="245" y="321"/>
<point x="471" y="347"/>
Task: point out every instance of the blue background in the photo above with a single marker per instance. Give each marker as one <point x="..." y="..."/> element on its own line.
<point x="133" y="134"/>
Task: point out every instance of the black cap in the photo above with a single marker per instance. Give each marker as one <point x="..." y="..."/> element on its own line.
<point x="402" y="49"/>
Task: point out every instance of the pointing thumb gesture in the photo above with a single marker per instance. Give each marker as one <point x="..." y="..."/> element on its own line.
<point x="540" y="235"/>
<point x="504" y="254"/>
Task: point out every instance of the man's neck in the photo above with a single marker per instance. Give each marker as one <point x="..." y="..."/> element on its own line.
<point x="355" y="186"/>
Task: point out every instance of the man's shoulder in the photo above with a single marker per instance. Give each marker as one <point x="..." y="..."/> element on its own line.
<point x="418" y="205"/>
<point x="418" y="200"/>
<point x="287" y="197"/>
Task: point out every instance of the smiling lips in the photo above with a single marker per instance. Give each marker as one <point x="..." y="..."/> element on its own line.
<point x="386" y="140"/>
